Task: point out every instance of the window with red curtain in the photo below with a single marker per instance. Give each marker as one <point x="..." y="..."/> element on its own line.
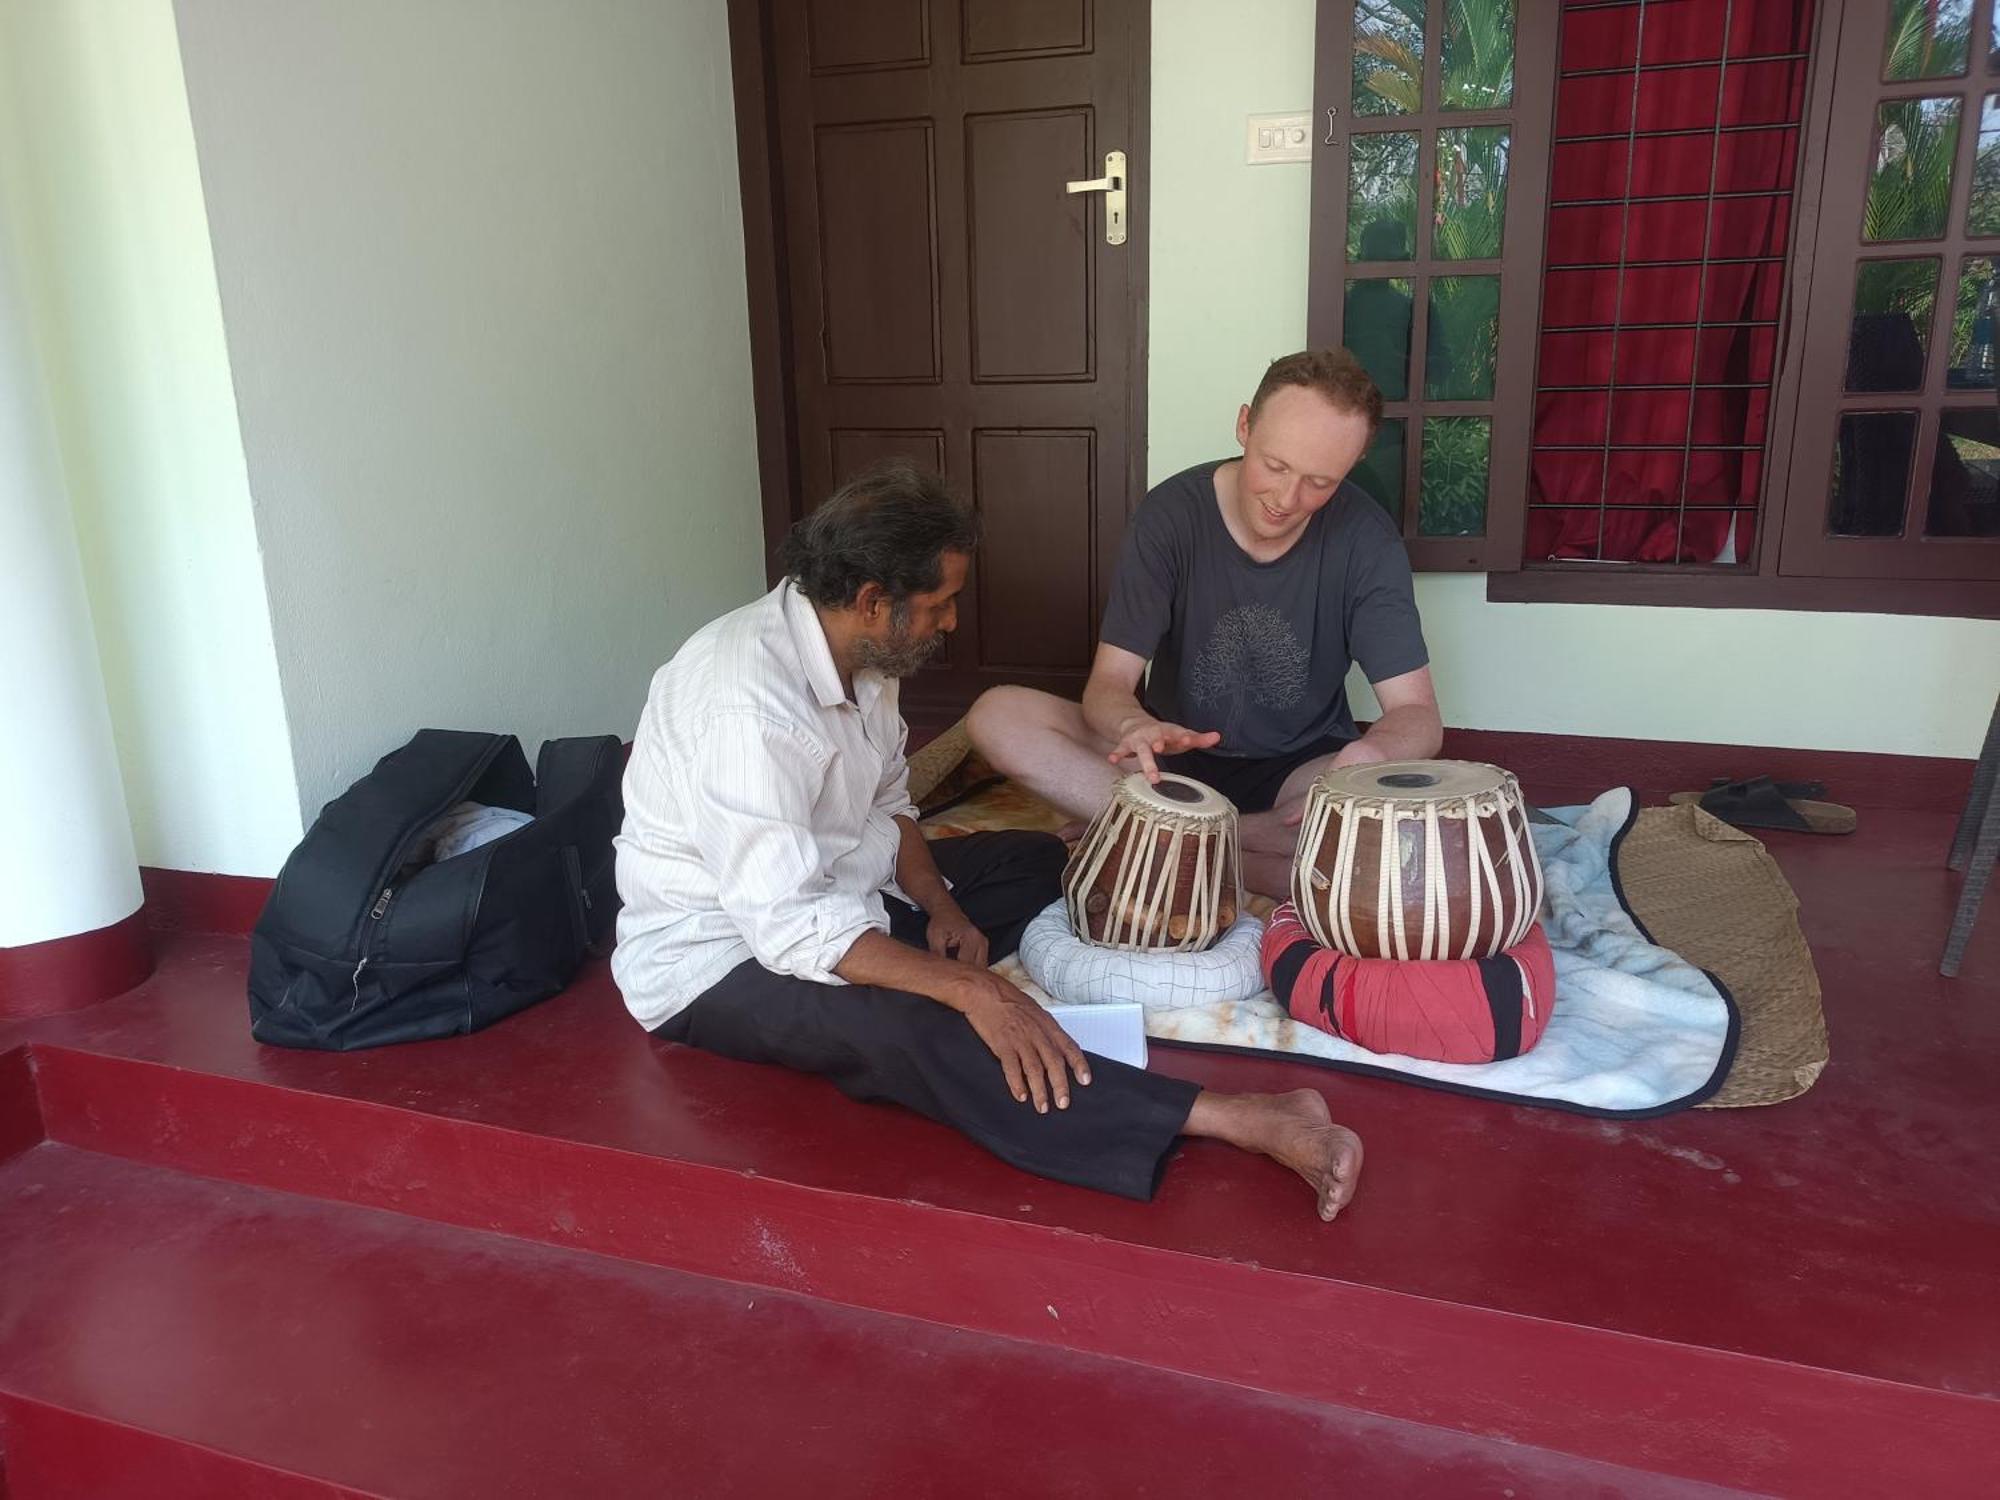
<point x="1677" y="134"/>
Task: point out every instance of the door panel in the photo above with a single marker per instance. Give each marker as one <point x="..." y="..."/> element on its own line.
<point x="854" y="448"/>
<point x="998" y="29"/>
<point x="848" y="35"/>
<point x="1015" y="222"/>
<point x="1038" y="566"/>
<point x="878" y="251"/>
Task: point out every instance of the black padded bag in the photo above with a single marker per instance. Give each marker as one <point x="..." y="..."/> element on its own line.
<point x="355" y="949"/>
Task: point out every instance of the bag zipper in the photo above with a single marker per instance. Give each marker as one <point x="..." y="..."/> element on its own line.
<point x="579" y="906"/>
<point x="371" y="923"/>
<point x="375" y="914"/>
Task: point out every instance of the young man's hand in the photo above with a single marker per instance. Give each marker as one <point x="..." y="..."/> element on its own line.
<point x="1149" y="739"/>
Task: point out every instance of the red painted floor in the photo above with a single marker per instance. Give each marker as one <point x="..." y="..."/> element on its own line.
<point x="402" y="1358"/>
<point x="1496" y="1273"/>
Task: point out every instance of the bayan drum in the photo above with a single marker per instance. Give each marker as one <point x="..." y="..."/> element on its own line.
<point x="1158" y="868"/>
<point x="1417" y="859"/>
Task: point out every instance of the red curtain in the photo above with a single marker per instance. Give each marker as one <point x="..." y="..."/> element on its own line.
<point x="1670" y="218"/>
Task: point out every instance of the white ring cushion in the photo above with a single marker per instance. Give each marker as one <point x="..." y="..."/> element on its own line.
<point x="1079" y="973"/>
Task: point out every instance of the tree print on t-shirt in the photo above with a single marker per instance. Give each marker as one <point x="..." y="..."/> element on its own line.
<point x="1252" y="656"/>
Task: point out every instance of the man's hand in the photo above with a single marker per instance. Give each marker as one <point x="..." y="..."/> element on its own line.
<point x="1036" y="1054"/>
<point x="1148" y="739"/>
<point x="953" y="935"/>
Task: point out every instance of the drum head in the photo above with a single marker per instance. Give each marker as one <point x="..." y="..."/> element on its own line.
<point x="1414" y="780"/>
<point x="1181" y="795"/>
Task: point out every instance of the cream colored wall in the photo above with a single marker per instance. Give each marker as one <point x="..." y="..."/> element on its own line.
<point x="481" y="267"/>
<point x="1228" y="293"/>
<point x="97" y="149"/>
<point x="62" y="808"/>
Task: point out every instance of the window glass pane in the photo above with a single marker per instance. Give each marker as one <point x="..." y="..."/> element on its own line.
<point x="1927" y="39"/>
<point x="1380" y="471"/>
<point x="1381" y="196"/>
<point x="1965" y="479"/>
<point x="1463" y="343"/>
<point x="1376" y="329"/>
<point x="1452" y="498"/>
<point x="1893" y="302"/>
<point x="1982" y="213"/>
<point x="1909" y="188"/>
<point x="1388" y="57"/>
<point x="1478" y="55"/>
<point x="1972" y="329"/>
<point x="1871" y="473"/>
<point x="1471" y="193"/>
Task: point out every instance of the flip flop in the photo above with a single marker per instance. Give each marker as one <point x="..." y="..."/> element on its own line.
<point x="1759" y="802"/>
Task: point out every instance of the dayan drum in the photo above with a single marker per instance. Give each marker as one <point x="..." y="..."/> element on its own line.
<point x="1417" y="859"/>
<point x="1159" y="868"/>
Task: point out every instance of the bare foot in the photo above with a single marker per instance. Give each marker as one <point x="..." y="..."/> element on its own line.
<point x="1295" y="1130"/>
<point x="1327" y="1155"/>
<point x="1071" y="831"/>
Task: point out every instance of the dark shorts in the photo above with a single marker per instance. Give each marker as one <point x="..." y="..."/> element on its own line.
<point x="1251" y="782"/>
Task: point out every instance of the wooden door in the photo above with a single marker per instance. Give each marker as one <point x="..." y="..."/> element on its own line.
<point x="942" y="295"/>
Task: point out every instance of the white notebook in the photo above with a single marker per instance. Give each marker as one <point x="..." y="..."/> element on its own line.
<point x="1114" y="1031"/>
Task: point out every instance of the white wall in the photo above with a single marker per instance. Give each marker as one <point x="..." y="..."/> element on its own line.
<point x="1228" y="293"/>
<point x="61" y="806"/>
<point x="99" y="150"/>
<point x="482" y="274"/>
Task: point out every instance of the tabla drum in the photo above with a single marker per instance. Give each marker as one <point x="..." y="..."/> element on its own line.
<point x="1417" y="859"/>
<point x="1159" y="868"/>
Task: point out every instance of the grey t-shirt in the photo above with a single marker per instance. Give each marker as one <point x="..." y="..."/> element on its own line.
<point x="1258" y="650"/>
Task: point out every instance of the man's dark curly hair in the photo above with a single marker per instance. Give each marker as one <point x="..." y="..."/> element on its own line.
<point x="891" y="525"/>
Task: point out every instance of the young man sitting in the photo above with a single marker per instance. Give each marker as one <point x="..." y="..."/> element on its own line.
<point x="781" y="905"/>
<point x="1251" y="585"/>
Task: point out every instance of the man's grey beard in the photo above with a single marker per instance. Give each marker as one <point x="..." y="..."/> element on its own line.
<point x="903" y="656"/>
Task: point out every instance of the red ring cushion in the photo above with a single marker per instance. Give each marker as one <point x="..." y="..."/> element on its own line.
<point x="1443" y="1010"/>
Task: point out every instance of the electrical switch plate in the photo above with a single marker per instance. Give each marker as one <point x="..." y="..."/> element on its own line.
<point x="1278" y="138"/>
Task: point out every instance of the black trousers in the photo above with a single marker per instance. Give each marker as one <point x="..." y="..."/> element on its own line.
<point x="1251" y="782"/>
<point x="890" y="1045"/>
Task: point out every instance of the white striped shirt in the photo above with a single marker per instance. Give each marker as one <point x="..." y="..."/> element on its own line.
<point x="760" y="808"/>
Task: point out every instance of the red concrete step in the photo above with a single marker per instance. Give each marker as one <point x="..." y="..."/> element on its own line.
<point x="1650" y="1405"/>
<point x="1803" y="1299"/>
<point x="165" y="1335"/>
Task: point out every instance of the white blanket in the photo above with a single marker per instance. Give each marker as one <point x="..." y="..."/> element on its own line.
<point x="1637" y="1030"/>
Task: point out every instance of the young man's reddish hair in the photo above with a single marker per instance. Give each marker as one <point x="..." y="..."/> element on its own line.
<point x="1333" y="374"/>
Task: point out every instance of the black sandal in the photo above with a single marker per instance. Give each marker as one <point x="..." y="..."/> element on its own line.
<point x="1759" y="802"/>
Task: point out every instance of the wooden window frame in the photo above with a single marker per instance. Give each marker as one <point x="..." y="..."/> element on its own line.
<point x="1822" y="397"/>
<point x="1519" y="267"/>
<point x="1758" y="582"/>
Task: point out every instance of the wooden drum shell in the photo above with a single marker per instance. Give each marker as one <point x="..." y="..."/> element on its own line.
<point x="1442" y="848"/>
<point x="1154" y="879"/>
